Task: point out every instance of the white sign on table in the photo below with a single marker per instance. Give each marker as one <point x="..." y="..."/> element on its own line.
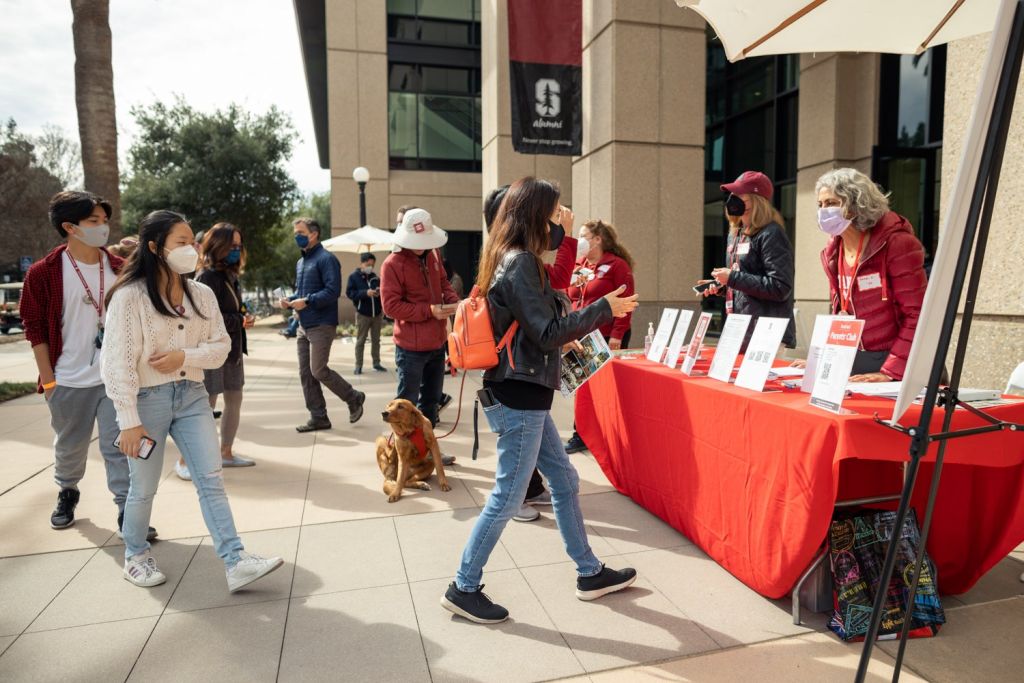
<point x="662" y="334"/>
<point x="836" y="363"/>
<point x="729" y="345"/>
<point x="675" y="347"/>
<point x="818" y="338"/>
<point x="693" y="351"/>
<point x="761" y="352"/>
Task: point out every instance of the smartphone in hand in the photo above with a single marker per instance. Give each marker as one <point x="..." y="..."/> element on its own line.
<point x="699" y="289"/>
<point x="145" y="447"/>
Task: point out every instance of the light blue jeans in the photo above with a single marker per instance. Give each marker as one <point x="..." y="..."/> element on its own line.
<point x="182" y="410"/>
<point x="526" y="439"/>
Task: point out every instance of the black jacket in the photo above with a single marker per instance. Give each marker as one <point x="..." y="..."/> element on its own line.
<point x="517" y="293"/>
<point x="763" y="285"/>
<point x="358" y="284"/>
<point x="229" y="299"/>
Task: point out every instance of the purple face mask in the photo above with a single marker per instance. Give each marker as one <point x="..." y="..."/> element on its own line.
<point x="831" y="220"/>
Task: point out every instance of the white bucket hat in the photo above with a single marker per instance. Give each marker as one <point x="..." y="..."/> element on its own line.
<point x="418" y="231"/>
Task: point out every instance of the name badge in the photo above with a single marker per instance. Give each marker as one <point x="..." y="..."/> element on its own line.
<point x="603" y="270"/>
<point x="743" y="248"/>
<point x="869" y="281"/>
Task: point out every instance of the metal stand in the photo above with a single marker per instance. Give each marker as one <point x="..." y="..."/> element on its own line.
<point x="362" y="204"/>
<point x="974" y="241"/>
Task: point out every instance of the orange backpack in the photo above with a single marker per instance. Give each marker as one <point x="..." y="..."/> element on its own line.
<point x="471" y="343"/>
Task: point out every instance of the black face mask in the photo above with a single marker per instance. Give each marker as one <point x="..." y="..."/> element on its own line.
<point x="734" y="206"/>
<point x="556" y="236"/>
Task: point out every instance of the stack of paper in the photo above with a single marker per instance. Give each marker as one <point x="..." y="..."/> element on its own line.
<point x="888" y="390"/>
<point x="782" y="373"/>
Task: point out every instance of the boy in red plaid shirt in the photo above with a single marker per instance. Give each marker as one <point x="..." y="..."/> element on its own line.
<point x="62" y="307"/>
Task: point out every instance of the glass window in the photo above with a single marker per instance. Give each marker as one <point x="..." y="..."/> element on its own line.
<point x="402" y="115"/>
<point x="446" y="127"/>
<point x="402" y="7"/>
<point x="448" y="9"/>
<point x="912" y="125"/>
<point x="403" y="78"/>
<point x="440" y="80"/>
<point x="752" y="88"/>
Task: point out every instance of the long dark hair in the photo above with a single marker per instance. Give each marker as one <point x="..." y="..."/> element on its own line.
<point x="146" y="265"/>
<point x="217" y="242"/>
<point x="521" y="225"/>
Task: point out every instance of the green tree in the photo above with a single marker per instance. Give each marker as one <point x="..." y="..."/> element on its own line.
<point x="228" y="165"/>
<point x="280" y="268"/>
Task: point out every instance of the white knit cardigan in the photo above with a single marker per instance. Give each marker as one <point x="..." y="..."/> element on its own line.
<point x="134" y="332"/>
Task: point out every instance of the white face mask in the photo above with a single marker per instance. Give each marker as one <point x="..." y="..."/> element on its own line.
<point x="367" y="269"/>
<point x="582" y="247"/>
<point x="183" y="259"/>
<point x="93" y="236"/>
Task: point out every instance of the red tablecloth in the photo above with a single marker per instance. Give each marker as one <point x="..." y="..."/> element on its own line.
<point x="752" y="478"/>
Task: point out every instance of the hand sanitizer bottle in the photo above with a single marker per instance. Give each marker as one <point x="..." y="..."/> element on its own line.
<point x="649" y="339"/>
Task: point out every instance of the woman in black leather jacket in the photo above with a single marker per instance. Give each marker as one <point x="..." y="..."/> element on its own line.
<point x="758" y="280"/>
<point x="518" y="393"/>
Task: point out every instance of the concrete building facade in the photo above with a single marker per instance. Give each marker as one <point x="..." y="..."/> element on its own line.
<point x="665" y="120"/>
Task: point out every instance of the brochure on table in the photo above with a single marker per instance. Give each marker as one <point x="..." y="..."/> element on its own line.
<point x="818" y="338"/>
<point x="693" y="351"/>
<point x="663" y="334"/>
<point x="675" y="347"/>
<point x="729" y="344"/>
<point x="579" y="365"/>
<point x="761" y="352"/>
<point x="835" y="364"/>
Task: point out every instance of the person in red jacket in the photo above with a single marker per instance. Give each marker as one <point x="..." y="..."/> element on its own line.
<point x="605" y="267"/>
<point x="875" y="269"/>
<point x="63" y="309"/>
<point x="416" y="294"/>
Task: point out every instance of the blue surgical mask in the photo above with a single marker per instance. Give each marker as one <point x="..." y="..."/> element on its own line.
<point x="234" y="256"/>
<point x="302" y="241"/>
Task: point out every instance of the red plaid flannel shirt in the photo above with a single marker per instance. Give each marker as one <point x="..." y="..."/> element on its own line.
<point x="42" y="301"/>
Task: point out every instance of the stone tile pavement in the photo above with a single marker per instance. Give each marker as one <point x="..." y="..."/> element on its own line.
<point x="358" y="597"/>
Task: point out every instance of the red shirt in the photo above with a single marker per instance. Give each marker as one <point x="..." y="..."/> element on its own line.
<point x="42" y="301"/>
<point x="610" y="273"/>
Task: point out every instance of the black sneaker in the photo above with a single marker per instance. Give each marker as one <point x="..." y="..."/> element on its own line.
<point x="603" y="583"/>
<point x="314" y="424"/>
<point x="355" y="408"/>
<point x="379" y="368"/>
<point x="150" y="535"/>
<point x="64" y="514"/>
<point x="475" y="606"/>
<point x="217" y="414"/>
<point x="575" y="444"/>
<point x="445" y="401"/>
<point x="357" y="370"/>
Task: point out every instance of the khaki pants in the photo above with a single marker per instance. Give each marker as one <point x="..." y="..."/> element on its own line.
<point x="366" y="324"/>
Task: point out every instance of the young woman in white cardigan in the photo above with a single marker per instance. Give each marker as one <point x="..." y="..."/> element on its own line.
<point x="162" y="330"/>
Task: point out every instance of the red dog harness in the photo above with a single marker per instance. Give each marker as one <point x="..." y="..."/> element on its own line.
<point x="419" y="440"/>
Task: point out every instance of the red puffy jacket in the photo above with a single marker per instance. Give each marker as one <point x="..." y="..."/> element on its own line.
<point x="409" y="285"/>
<point x="888" y="288"/>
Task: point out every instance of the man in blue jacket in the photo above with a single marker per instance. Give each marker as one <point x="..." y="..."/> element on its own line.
<point x="364" y="291"/>
<point x="317" y="290"/>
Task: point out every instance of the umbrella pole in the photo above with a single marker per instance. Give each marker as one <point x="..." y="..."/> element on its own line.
<point x="978" y="221"/>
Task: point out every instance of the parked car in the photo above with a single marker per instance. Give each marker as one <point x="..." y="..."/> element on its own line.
<point x="10" y="313"/>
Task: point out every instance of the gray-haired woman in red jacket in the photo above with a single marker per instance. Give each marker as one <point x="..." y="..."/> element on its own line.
<point x="875" y="270"/>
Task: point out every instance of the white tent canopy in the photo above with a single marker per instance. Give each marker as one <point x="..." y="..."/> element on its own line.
<point x="770" y="27"/>
<point x="366" y="238"/>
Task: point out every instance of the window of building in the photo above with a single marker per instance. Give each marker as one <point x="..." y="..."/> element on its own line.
<point x="434" y="84"/>
<point x="750" y="125"/>
<point x="908" y="158"/>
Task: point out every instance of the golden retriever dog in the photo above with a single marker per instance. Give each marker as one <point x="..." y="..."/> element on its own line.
<point x="411" y="455"/>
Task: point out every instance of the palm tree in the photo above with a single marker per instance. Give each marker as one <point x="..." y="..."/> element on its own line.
<point x="94" y="98"/>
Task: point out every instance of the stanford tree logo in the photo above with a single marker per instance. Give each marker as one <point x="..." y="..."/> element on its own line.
<point x="548" y="100"/>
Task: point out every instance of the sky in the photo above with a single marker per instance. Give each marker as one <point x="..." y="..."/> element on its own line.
<point x="211" y="52"/>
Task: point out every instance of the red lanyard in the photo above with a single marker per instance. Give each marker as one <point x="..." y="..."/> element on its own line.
<point x="734" y="252"/>
<point x="98" y="305"/>
<point x="846" y="286"/>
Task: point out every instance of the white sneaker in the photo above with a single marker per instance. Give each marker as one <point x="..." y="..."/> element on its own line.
<point x="182" y="471"/>
<point x="526" y="514"/>
<point x="249" y="569"/>
<point x="142" y="571"/>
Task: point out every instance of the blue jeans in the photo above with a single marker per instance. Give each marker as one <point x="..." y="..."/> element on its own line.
<point x="181" y="409"/>
<point x="526" y="439"/>
<point x="421" y="379"/>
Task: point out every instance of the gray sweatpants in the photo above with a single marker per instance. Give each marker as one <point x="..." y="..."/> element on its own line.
<point x="73" y="414"/>
<point x="314" y="348"/>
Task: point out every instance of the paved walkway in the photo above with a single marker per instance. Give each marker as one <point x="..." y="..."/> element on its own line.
<point x="358" y="597"/>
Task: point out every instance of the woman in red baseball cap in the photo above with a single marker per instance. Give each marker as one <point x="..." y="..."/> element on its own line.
<point x="758" y="280"/>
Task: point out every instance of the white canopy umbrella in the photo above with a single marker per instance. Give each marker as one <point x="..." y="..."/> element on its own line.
<point x="769" y="27"/>
<point x="366" y="238"/>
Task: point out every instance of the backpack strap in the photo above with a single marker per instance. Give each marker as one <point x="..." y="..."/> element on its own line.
<point x="506" y="342"/>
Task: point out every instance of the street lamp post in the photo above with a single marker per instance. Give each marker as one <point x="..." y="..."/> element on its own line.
<point x="362" y="176"/>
